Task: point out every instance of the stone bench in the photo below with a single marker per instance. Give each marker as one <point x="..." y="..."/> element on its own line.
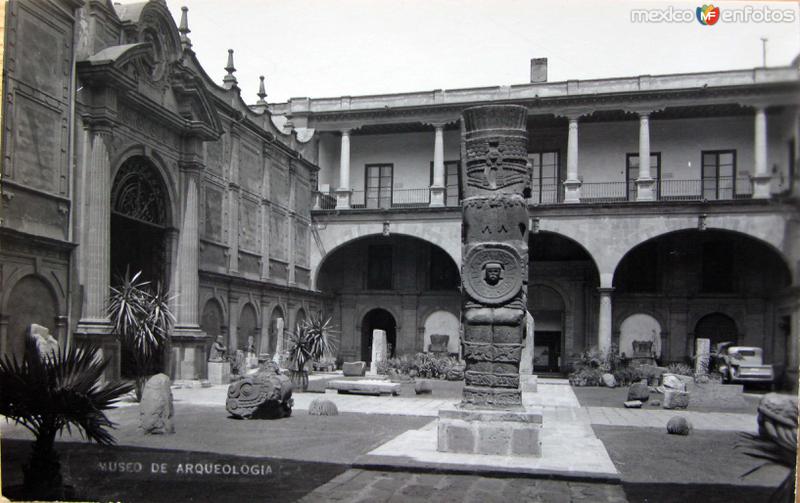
<point x="365" y="387"/>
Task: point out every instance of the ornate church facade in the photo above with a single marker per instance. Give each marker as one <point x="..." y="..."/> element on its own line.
<point x="121" y="154"/>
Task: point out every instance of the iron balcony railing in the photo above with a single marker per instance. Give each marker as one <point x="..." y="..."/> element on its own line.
<point x="711" y="189"/>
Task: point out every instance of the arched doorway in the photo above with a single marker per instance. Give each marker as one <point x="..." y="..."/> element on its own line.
<point x="547" y="308"/>
<point x="139" y="219"/>
<point x="300" y="317"/>
<point x="442" y="323"/>
<point x="275" y="330"/>
<point x="639" y="327"/>
<point x="30" y="301"/>
<point x="246" y="327"/>
<point x="378" y="319"/>
<point x="716" y="327"/>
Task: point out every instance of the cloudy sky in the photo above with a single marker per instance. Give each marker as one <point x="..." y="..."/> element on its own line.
<point x="320" y="48"/>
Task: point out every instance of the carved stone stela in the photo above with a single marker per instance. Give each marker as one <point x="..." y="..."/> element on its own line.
<point x="495" y="265"/>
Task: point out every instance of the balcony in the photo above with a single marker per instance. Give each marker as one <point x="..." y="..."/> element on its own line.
<point x="717" y="189"/>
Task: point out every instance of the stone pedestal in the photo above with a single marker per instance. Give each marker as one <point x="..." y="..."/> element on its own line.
<point x="219" y="372"/>
<point x="378" y="350"/>
<point x="497" y="432"/>
<point x="528" y="383"/>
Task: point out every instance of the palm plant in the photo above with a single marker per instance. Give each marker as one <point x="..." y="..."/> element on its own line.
<point x="50" y="394"/>
<point x="313" y="339"/>
<point x="141" y="318"/>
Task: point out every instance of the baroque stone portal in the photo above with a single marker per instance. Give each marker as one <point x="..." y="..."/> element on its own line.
<point x="495" y="264"/>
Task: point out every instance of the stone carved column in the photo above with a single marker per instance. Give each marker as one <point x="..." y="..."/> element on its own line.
<point x="95" y="248"/>
<point x="604" y="320"/>
<point x="343" y="193"/>
<point x="572" y="185"/>
<point x="495" y="262"/>
<point x="438" y="187"/>
<point x="761" y="177"/>
<point x="188" y="279"/>
<point x="644" y="182"/>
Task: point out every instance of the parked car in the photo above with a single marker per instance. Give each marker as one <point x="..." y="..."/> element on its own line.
<point x="744" y="364"/>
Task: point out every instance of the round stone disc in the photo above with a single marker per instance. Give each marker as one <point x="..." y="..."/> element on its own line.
<point x="493" y="273"/>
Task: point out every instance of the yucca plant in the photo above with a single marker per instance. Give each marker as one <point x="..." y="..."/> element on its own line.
<point x="141" y="319"/>
<point x="312" y="339"/>
<point x="50" y="394"/>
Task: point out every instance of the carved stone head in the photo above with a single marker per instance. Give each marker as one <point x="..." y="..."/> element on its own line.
<point x="493" y="273"/>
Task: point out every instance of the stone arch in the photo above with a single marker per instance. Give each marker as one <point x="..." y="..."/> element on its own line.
<point x="623" y="233"/>
<point x="445" y="234"/>
<point x="212" y="320"/>
<point x="161" y="166"/>
<point x="31" y="299"/>
<point x="640" y="326"/>
<point x="718" y="327"/>
<point x="277" y="312"/>
<point x="299" y="316"/>
<point x="442" y="322"/>
<point x="378" y="318"/>
<point x="247" y="326"/>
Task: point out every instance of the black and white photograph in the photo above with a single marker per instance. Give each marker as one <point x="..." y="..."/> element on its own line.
<point x="399" y="251"/>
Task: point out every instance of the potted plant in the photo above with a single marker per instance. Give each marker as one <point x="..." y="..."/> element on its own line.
<point x="46" y="395"/>
<point x="141" y="319"/>
<point x="312" y="340"/>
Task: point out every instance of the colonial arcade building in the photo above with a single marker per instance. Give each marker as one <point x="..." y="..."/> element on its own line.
<point x="662" y="208"/>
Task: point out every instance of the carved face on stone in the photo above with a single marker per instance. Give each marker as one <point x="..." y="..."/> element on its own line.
<point x="493" y="273"/>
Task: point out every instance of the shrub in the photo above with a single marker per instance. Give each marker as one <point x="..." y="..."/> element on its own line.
<point x="680" y="369"/>
<point x="586" y="377"/>
<point x="627" y="375"/>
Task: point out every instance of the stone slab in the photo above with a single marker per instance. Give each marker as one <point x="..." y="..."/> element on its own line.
<point x="490" y="432"/>
<point x="675" y="399"/>
<point x="717" y="395"/>
<point x="219" y="372"/>
<point x="354" y="369"/>
<point x="365" y="387"/>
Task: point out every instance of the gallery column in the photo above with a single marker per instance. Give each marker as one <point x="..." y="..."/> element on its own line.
<point x="572" y="185"/>
<point x="761" y="177"/>
<point x="344" y="192"/>
<point x="644" y="182"/>
<point x="604" y="320"/>
<point x="437" y="185"/>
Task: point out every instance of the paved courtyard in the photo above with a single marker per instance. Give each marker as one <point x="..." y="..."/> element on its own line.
<point x="383" y="448"/>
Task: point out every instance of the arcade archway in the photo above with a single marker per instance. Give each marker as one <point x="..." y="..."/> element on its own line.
<point x="718" y="328"/>
<point x="378" y="319"/>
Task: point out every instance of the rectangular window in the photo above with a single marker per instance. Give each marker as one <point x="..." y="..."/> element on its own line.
<point x="719" y="174"/>
<point x="717" y="268"/>
<point x="379" y="267"/>
<point x="378" y="185"/>
<point x="452" y="176"/>
<point x="632" y="173"/>
<point x="546" y="187"/>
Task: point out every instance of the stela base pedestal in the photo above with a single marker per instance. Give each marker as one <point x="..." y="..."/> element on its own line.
<point x="219" y="372"/>
<point x="495" y="432"/>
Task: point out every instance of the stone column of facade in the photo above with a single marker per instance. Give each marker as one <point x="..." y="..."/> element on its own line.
<point x="761" y="176"/>
<point x="234" y="201"/>
<point x="292" y="224"/>
<point x="644" y="182"/>
<point x="572" y="185"/>
<point x="438" y="187"/>
<point x="188" y="278"/>
<point x="344" y="192"/>
<point x="604" y="320"/>
<point x="265" y="214"/>
<point x="95" y="247"/>
<point x="491" y="418"/>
